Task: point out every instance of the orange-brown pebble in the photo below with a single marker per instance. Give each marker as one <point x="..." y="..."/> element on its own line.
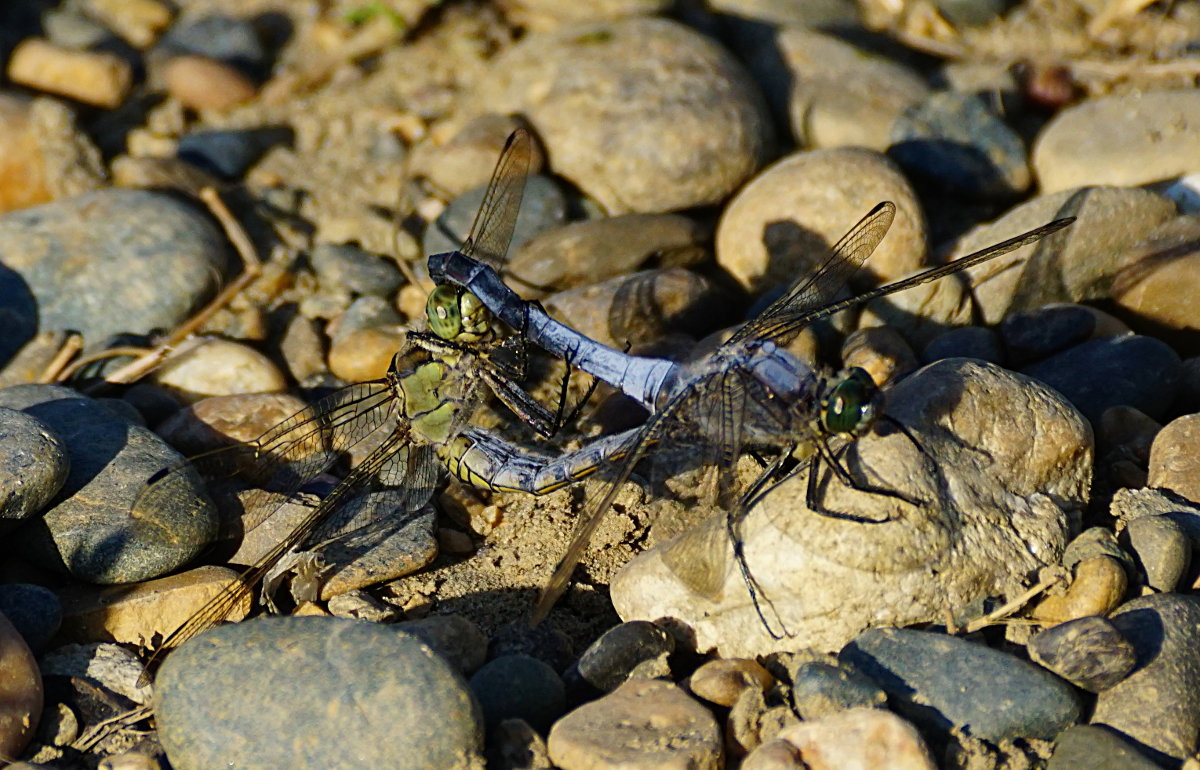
<point x="722" y="681"/>
<point x="364" y="354"/>
<point x="21" y="691"/>
<point x="96" y="78"/>
<point x="206" y="84"/>
<point x="1098" y="587"/>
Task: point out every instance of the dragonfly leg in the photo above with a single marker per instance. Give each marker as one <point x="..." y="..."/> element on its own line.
<point x="758" y="596"/>
<point x="833" y="459"/>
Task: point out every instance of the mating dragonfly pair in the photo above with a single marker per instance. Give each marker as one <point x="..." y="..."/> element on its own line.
<point x="750" y="394"/>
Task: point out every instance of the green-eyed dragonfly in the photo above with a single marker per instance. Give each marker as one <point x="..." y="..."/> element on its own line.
<point x="415" y="419"/>
<point x="750" y="394"/>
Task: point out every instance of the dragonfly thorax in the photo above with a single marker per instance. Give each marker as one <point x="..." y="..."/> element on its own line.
<point x="456" y="314"/>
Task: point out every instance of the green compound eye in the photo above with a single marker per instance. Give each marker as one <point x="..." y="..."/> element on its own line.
<point x="850" y="407"/>
<point x="441" y="310"/>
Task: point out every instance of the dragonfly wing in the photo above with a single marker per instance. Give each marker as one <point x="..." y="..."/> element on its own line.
<point x="493" y="227"/>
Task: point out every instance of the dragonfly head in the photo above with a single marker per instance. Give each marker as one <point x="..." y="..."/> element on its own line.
<point x="852" y="404"/>
<point x="458" y="315"/>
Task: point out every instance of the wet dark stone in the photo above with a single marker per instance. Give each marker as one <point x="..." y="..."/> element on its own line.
<point x="33" y="466"/>
<point x="224" y="38"/>
<point x="955" y="142"/>
<point x="543" y="642"/>
<point x="1039" y="333"/>
<point x="355" y="268"/>
<point x="1088" y="652"/>
<point x="34" y="611"/>
<point x="1136" y="371"/>
<point x="965" y="342"/>
<point x="941" y="682"/>
<point x="519" y="687"/>
<point x="230" y="153"/>
<point x="542" y="207"/>
<point x="611" y="658"/>
<point x="92" y="530"/>
<point x="821" y="689"/>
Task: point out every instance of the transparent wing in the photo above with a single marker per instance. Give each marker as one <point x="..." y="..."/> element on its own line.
<point x="788" y="314"/>
<point x="492" y="230"/>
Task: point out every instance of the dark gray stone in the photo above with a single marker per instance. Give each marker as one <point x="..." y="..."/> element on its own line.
<point x="1087" y="747"/>
<point x="230" y="153"/>
<point x="942" y="682"/>
<point x="1039" y="333"/>
<point x="955" y="141"/>
<point x="454" y="637"/>
<point x="355" y="268"/>
<point x="1158" y="705"/>
<point x="820" y="689"/>
<point x="224" y="38"/>
<point x="33" y="466"/>
<point x="93" y="530"/>
<point x="542" y="207"/>
<point x="1088" y="652"/>
<point x="542" y="641"/>
<point x="110" y="261"/>
<point x="1136" y="371"/>
<point x="364" y="313"/>
<point x="965" y="342"/>
<point x="519" y="687"/>
<point x="611" y="658"/>
<point x="34" y="611"/>
<point x="313" y="692"/>
<point x="1162" y="549"/>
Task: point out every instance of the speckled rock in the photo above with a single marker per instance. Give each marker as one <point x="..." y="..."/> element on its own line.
<point x="219" y="368"/>
<point x="93" y="531"/>
<point x="519" y="687"/>
<point x="223" y="420"/>
<point x="20" y="691"/>
<point x="644" y="723"/>
<point x="1136" y="371"/>
<point x="1087" y="747"/>
<point x="1075" y="264"/>
<point x="939" y="682"/>
<point x="112" y="261"/>
<point x="33" y="465"/>
<point x="1173" y="463"/>
<point x="355" y="268"/>
<point x="1089" y="652"/>
<point x="1126" y="139"/>
<point x="955" y="143"/>
<point x="1013" y="443"/>
<point x="785" y="220"/>
<point x="821" y="689"/>
<point x="1158" y="705"/>
<point x="615" y="655"/>
<point x="311" y="692"/>
<point x="47" y="156"/>
<point x="859" y="738"/>
<point x="629" y="120"/>
<point x="34" y="611"/>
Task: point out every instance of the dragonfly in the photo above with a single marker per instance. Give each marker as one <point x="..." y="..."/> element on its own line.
<point x="414" y="420"/>
<point x="748" y="395"/>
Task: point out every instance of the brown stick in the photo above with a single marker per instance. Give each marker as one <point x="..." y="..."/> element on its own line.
<point x="70" y="346"/>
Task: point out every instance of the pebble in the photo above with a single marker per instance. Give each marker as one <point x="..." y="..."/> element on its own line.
<point x="1088" y="652"/>
<point x="823" y="689"/>
<point x="353" y="690"/>
<point x="219" y="421"/>
<point x="24" y="361"/>
<point x="34" y="611"/>
<point x="135" y="614"/>
<point x="365" y="354"/>
<point x="466" y="161"/>
<point x="644" y="723"/>
<point x="1173" y="463"/>
<point x="751" y="722"/>
<point x="1087" y="747"/>
<point x="454" y="637"/>
<point x="139" y="22"/>
<point x="1099" y="585"/>
<point x="95" y="78"/>
<point x="391" y="543"/>
<point x="93" y="531"/>
<point x="360" y="605"/>
<point x="59" y="725"/>
<point x="722" y="681"/>
<point x="940" y="683"/>
<point x="230" y="153"/>
<point x="33" y="466"/>
<point x="837" y="95"/>
<point x="777" y="754"/>
<point x="859" y="739"/>
<point x="303" y="349"/>
<point x="955" y="143"/>
<point x="915" y="317"/>
<point x="231" y="39"/>
<point x="542" y="642"/>
<point x="1073" y="265"/>
<point x="130" y="760"/>
<point x="543" y="207"/>
<point x="46" y="155"/>
<point x="219" y="367"/>
<point x="1037" y="334"/>
<point x="201" y="83"/>
<point x="21" y="692"/>
<point x="355" y="268"/>
<point x="519" y="687"/>
<point x="1158" y="279"/>
<point x="965" y="342"/>
<point x="1158" y="705"/>
<point x="1163" y="550"/>
<point x="584" y="253"/>
<point x="549" y="14"/>
<point x="513" y="745"/>
<point x="641" y="307"/>
<point x="364" y="313"/>
<point x="783" y="223"/>
<point x="828" y="578"/>
<point x="612" y="658"/>
<point x="111" y="261"/>
<point x="626" y="108"/>
<point x="1125" y="139"/>
<point x="1137" y="371"/>
<point x="111" y="666"/>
